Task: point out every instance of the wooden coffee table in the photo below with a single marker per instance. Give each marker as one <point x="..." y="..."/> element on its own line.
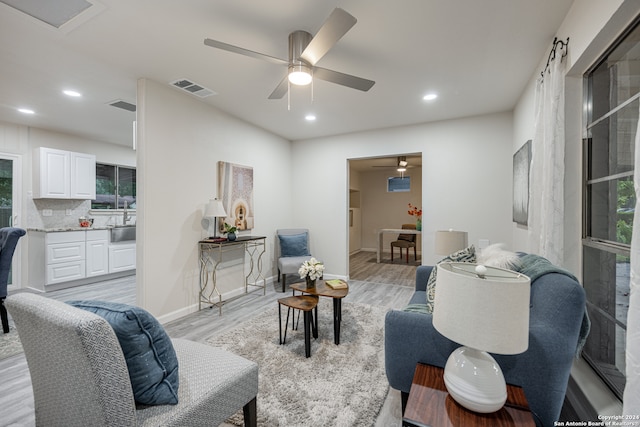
<point x="431" y="405"/>
<point x="321" y="289"/>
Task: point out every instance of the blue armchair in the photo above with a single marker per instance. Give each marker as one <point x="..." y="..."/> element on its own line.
<point x="8" y="240"/>
<point x="556" y="322"/>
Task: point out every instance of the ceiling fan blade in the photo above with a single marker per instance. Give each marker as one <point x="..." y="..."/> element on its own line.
<point x="246" y="52"/>
<point x="343" y="79"/>
<point x="281" y="89"/>
<point x="336" y="26"/>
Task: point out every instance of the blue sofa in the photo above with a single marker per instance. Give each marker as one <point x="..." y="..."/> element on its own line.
<point x="557" y="324"/>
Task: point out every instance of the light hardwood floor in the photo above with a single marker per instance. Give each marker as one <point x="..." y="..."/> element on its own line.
<point x="389" y="289"/>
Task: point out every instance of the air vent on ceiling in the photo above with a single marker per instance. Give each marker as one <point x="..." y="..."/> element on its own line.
<point x="64" y="15"/>
<point x="123" y="104"/>
<point x="193" y="88"/>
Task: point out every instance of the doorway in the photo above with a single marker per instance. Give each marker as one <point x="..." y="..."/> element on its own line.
<point x="10" y="205"/>
<point x="379" y="196"/>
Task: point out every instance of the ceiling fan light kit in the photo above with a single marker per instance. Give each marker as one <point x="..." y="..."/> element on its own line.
<point x="305" y="51"/>
<point x="299" y="74"/>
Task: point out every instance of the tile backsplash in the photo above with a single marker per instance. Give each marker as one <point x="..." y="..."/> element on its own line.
<point x="65" y="213"/>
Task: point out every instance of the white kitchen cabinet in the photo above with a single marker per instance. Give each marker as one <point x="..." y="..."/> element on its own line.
<point x="122" y="257"/>
<point x="59" y="174"/>
<point x="59" y="259"/>
<point x="83" y="176"/>
<point x="97" y="253"/>
<point x="65" y="256"/>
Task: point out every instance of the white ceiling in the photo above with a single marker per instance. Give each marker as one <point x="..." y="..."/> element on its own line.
<point x="477" y="55"/>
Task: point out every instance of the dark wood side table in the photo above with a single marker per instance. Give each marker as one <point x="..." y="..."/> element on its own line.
<point x="306" y="304"/>
<point x="430" y="405"/>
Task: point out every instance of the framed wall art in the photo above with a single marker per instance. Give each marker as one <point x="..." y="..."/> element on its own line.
<point x="235" y="189"/>
<point x="521" y="168"/>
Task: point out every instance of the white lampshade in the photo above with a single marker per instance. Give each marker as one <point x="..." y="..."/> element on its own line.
<point x="486" y="309"/>
<point x="450" y="241"/>
<point x="213" y="210"/>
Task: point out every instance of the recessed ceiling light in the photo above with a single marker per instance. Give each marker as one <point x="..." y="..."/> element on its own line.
<point x="310" y="117"/>
<point x="430" y="97"/>
<point x="72" y="93"/>
<point x="26" y="111"/>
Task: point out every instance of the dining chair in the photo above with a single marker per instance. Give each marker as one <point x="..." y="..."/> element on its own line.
<point x="405" y="241"/>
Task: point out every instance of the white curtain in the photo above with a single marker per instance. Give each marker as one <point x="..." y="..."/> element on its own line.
<point x="546" y="188"/>
<point x="631" y="401"/>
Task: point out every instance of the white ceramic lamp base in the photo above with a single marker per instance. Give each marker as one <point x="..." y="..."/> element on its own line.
<point x="474" y="380"/>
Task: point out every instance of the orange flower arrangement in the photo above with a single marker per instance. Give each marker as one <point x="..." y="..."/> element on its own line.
<point x="414" y="211"/>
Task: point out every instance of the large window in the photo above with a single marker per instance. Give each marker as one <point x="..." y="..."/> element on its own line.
<point x="115" y="187"/>
<point x="612" y="96"/>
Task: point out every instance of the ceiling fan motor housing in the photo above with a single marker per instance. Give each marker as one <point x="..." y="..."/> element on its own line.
<point x="298" y="42"/>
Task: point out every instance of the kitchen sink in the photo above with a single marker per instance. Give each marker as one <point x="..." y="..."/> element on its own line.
<point x="123" y="233"/>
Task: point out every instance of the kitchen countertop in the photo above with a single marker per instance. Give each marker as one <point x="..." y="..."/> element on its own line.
<point x="57" y="229"/>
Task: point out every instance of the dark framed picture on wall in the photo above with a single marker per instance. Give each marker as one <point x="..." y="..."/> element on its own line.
<point x="521" y="167"/>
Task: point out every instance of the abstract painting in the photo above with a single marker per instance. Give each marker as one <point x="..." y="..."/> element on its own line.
<point x="521" y="167"/>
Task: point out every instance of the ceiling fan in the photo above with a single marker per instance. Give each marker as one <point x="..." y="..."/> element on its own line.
<point x="400" y="166"/>
<point x="304" y="52"/>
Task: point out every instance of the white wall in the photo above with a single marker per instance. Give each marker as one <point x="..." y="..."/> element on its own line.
<point x="381" y="209"/>
<point x="466" y="181"/>
<point x="180" y="141"/>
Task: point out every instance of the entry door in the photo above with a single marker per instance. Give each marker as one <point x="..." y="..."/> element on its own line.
<point x="10" y="178"/>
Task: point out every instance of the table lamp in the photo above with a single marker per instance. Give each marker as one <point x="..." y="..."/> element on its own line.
<point x="486" y="309"/>
<point x="213" y="210"/>
<point x="450" y="241"/>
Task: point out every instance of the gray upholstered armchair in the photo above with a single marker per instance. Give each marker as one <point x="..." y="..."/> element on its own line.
<point x="557" y="321"/>
<point x="293" y="250"/>
<point x="80" y="376"/>
<point x="9" y="237"/>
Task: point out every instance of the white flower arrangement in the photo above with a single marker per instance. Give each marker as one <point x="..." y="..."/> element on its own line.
<point x="312" y="268"/>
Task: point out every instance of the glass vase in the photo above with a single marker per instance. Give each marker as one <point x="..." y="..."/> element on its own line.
<point x="311" y="283"/>
<point x="419" y="224"/>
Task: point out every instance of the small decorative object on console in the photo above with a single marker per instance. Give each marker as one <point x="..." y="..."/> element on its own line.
<point x="230" y="231"/>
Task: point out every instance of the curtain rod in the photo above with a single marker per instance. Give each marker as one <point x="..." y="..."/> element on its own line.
<point x="552" y="54"/>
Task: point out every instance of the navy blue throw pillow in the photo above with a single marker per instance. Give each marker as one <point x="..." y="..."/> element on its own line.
<point x="148" y="351"/>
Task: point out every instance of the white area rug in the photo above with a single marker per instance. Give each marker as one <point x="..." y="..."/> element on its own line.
<point x="338" y="386"/>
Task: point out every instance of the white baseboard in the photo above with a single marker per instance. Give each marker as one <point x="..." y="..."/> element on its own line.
<point x="193" y="308"/>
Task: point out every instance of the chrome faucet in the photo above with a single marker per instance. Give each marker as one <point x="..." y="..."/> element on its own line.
<point x="125" y="217"/>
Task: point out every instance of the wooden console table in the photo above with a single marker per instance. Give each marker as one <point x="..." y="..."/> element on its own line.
<point x="211" y="253"/>
<point x="431" y="405"/>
